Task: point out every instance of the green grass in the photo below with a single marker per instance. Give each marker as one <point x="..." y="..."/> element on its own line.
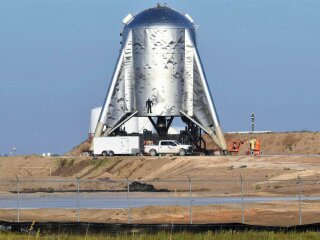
<point x="65" y="163"/>
<point x="229" y="235"/>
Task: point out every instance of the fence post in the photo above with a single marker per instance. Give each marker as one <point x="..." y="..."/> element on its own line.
<point x="242" y="200"/>
<point x="78" y="192"/>
<point x="18" y="199"/>
<point x="128" y="199"/>
<point x="300" y="213"/>
<point x="190" y="199"/>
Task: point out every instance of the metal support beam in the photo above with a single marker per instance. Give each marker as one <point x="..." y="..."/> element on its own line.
<point x="169" y="123"/>
<point x="195" y="122"/>
<point x="104" y="111"/>
<point x="121" y="122"/>
<point x="153" y="123"/>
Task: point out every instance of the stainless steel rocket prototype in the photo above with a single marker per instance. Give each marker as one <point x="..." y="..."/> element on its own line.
<point x="159" y="74"/>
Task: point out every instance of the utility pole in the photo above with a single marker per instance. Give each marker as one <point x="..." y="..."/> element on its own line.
<point x="190" y="199"/>
<point x="252" y="122"/>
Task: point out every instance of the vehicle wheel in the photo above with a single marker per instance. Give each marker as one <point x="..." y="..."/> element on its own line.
<point x="104" y="153"/>
<point x="111" y="153"/>
<point x="182" y="152"/>
<point x="224" y="153"/>
<point x="153" y="152"/>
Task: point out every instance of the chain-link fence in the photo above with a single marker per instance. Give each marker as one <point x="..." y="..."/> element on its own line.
<point x="251" y="201"/>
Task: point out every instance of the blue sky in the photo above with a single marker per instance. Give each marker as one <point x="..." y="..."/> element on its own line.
<point x="57" y="58"/>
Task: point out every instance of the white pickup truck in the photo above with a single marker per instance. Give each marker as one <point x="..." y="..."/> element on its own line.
<point x="168" y="147"/>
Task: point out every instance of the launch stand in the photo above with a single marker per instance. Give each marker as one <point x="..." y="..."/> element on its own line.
<point x="190" y="135"/>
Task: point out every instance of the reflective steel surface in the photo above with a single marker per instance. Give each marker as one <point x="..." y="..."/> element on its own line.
<point x="159" y="62"/>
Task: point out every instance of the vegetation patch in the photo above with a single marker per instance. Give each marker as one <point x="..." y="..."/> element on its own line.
<point x="69" y="167"/>
<point x="290" y="140"/>
<point x="230" y="168"/>
<point x="234" y="235"/>
<point x="288" y="146"/>
<point x="35" y="190"/>
<point x="144" y="187"/>
<point x="107" y="164"/>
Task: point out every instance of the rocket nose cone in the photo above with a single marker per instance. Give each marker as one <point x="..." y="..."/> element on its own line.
<point x="160" y="16"/>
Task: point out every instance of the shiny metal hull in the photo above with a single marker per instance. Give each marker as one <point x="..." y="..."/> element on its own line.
<point x="162" y="64"/>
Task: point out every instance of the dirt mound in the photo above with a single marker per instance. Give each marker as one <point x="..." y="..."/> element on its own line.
<point x="276" y="143"/>
<point x="79" y="149"/>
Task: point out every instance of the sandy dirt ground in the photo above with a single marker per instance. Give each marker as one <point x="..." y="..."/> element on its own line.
<point x="261" y="175"/>
<point x="268" y="214"/>
<point x="214" y="176"/>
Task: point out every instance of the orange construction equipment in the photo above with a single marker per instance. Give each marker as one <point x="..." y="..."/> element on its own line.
<point x="234" y="147"/>
<point x="255" y="147"/>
